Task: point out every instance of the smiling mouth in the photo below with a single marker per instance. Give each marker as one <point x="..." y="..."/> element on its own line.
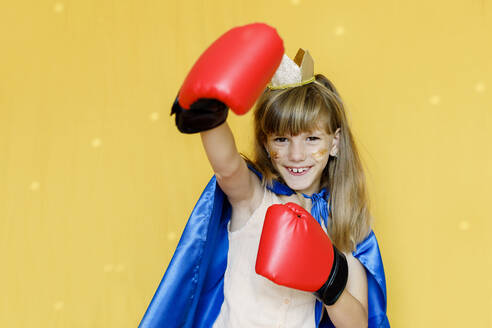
<point x="298" y="170"/>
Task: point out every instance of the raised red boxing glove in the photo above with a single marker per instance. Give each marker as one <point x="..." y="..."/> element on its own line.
<point x="236" y="68"/>
<point x="295" y="252"/>
<point x="232" y="72"/>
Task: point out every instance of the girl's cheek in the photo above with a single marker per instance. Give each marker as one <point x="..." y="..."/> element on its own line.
<point x="276" y="152"/>
<point x="319" y="154"/>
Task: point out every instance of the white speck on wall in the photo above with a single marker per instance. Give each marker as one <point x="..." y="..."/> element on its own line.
<point x="435" y="100"/>
<point x="96" y="143"/>
<point x="58" y="305"/>
<point x="339" y="30"/>
<point x="480" y="87"/>
<point x="464" y="225"/>
<point x="154" y="116"/>
<point x="34" y="186"/>
<point x="171" y="236"/>
<point x="58" y="7"/>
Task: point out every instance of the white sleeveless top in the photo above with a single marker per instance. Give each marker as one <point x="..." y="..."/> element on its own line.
<point x="250" y="300"/>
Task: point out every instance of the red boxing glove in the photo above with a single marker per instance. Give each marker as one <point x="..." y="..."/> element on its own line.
<point x="295" y="252"/>
<point x="232" y="72"/>
<point x="236" y="68"/>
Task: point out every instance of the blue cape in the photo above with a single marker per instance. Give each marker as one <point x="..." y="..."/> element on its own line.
<point x="191" y="292"/>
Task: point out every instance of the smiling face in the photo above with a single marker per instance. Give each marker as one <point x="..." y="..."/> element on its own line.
<point x="295" y="131"/>
<point x="300" y="159"/>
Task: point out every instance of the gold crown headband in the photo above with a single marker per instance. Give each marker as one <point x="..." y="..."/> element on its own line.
<point x="293" y="73"/>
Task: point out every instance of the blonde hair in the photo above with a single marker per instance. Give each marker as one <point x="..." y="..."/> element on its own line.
<point x="305" y="108"/>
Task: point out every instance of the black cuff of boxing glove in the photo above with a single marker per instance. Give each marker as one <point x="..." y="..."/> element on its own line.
<point x="204" y="114"/>
<point x="334" y="286"/>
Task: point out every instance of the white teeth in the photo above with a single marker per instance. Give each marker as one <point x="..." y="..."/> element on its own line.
<point x="300" y="170"/>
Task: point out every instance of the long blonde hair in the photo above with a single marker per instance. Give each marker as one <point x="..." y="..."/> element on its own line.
<point x="300" y="109"/>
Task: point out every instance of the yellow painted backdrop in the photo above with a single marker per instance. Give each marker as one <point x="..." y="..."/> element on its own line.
<point x="96" y="183"/>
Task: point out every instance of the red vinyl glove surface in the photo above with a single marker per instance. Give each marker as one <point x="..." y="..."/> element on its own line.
<point x="294" y="250"/>
<point x="235" y="69"/>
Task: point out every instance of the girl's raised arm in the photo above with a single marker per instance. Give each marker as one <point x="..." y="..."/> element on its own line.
<point x="231" y="73"/>
<point x="231" y="170"/>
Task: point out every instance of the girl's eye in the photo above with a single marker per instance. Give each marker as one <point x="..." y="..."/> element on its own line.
<point x="280" y="139"/>
<point x="312" y="138"/>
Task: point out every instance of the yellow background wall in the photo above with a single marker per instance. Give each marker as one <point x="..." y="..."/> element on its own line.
<point x="96" y="184"/>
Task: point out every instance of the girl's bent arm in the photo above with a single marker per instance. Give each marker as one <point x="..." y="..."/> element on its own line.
<point x="350" y="310"/>
<point x="233" y="175"/>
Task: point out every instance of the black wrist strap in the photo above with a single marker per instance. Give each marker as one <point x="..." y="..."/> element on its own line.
<point x="334" y="286"/>
<point x="204" y="114"/>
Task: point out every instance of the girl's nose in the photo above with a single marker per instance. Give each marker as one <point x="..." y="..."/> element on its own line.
<point x="297" y="152"/>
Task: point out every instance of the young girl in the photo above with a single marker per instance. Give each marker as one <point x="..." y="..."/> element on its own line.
<point x="304" y="154"/>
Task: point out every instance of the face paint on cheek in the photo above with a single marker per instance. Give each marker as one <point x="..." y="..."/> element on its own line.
<point x="274" y="155"/>
<point x="318" y="155"/>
